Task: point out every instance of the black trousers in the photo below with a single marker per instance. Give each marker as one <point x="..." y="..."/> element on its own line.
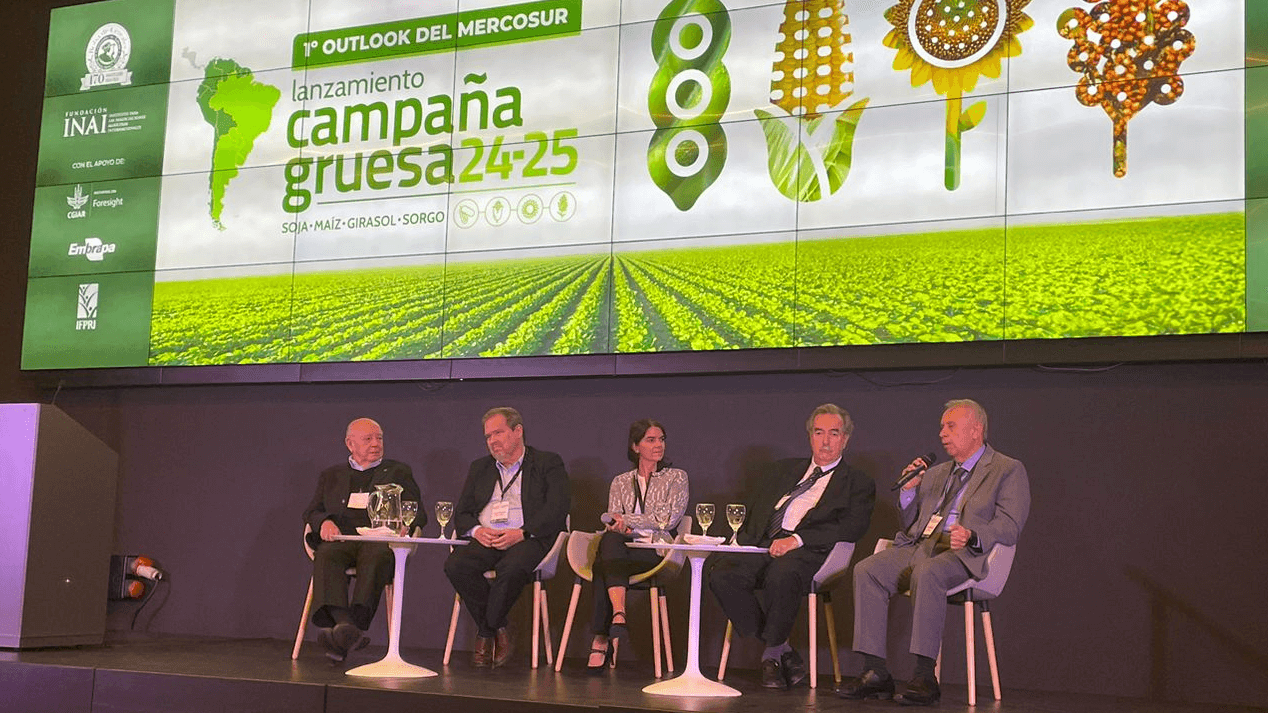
<point x="331" y="560"/>
<point x="735" y="578"/>
<point x="614" y="564"/>
<point x="489" y="601"/>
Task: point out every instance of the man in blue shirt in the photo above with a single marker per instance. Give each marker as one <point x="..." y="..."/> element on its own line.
<point x="951" y="516"/>
<point x="514" y="503"/>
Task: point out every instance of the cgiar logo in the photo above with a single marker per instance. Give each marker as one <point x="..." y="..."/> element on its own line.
<point x="107" y="56"/>
<point x="77" y="201"/>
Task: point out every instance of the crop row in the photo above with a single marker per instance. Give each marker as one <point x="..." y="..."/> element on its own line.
<point x="1162" y="276"/>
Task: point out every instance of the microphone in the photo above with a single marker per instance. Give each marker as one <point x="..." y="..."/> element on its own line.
<point x="606" y="518"/>
<point x="928" y="459"/>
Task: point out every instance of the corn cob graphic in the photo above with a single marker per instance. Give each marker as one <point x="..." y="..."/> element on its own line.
<point x="813" y="74"/>
<point x="688" y="95"/>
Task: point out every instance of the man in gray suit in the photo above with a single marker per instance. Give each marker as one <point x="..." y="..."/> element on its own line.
<point x="951" y="515"/>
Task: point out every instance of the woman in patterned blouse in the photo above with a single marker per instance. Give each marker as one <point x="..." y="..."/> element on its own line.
<point x="635" y="498"/>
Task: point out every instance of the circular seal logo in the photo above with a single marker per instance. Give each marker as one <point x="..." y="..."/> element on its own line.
<point x="108" y="48"/>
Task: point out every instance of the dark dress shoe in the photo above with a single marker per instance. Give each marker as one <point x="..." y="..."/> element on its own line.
<point x="773" y="674"/>
<point x="794" y="667"/>
<point x="341" y="639"/>
<point x="869" y="685"/>
<point x="349" y="637"/>
<point x="502" y="646"/>
<point x="921" y="692"/>
<point x="482" y="657"/>
<point x="326" y="637"/>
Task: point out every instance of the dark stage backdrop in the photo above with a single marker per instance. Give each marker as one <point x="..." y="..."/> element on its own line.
<point x="1140" y="572"/>
<point x="1136" y="574"/>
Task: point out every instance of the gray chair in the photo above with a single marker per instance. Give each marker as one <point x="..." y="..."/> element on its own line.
<point x="979" y="593"/>
<point x="541" y="611"/>
<point x="308" y="600"/>
<point x="833" y="567"/>
<point x="582" y="549"/>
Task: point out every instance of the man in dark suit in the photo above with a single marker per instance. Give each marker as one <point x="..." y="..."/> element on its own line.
<point x="513" y="505"/>
<point x="951" y="517"/>
<point x="805" y="507"/>
<point x="339" y="508"/>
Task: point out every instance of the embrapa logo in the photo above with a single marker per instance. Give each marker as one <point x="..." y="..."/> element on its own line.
<point x="91" y="248"/>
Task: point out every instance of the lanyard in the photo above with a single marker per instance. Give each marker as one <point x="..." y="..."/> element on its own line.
<point x="507" y="486"/>
<point x="640" y="505"/>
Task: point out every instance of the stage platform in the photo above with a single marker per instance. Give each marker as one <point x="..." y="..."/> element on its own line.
<point x="163" y="674"/>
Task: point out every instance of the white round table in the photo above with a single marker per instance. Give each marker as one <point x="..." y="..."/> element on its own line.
<point x="392" y="665"/>
<point x="691" y="682"/>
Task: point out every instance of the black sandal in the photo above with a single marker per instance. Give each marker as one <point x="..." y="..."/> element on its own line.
<point x="617" y="629"/>
<point x="606" y="650"/>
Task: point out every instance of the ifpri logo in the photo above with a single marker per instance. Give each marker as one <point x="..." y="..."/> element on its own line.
<point x="86" y="307"/>
<point x="77" y="201"/>
<point x="91" y="248"/>
<point x="107" y="57"/>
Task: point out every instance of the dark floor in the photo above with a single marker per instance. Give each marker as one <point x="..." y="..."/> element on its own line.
<point x="177" y="675"/>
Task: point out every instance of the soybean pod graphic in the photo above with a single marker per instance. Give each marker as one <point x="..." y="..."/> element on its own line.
<point x="689" y="94"/>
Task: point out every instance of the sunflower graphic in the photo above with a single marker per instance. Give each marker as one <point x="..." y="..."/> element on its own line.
<point x="952" y="43"/>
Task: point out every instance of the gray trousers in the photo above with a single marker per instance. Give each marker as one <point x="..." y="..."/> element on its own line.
<point x="928" y="572"/>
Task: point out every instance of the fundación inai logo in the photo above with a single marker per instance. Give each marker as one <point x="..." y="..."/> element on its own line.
<point x="107" y="57"/>
<point x="91" y="248"/>
<point x="86" y="307"/>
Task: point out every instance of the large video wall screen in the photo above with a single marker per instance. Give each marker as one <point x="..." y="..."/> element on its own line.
<point x="236" y="182"/>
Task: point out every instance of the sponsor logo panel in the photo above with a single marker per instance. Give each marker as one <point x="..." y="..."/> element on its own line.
<point x="90" y="228"/>
<point x="76" y="322"/>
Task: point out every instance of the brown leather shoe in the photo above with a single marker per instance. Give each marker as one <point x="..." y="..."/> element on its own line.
<point x="503" y="644"/>
<point x="482" y="657"/>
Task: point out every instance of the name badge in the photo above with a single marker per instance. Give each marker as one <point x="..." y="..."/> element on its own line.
<point x="932" y="527"/>
<point x="358" y="501"/>
<point x="500" y="512"/>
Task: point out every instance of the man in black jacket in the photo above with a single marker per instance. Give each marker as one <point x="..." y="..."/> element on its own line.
<point x="339" y="508"/>
<point x="513" y="505"/>
<point x="805" y="507"/>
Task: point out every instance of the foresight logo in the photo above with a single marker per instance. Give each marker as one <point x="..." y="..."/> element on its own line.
<point x="78" y="200"/>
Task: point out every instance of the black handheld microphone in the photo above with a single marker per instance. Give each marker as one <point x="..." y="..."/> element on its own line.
<point x="928" y="459"/>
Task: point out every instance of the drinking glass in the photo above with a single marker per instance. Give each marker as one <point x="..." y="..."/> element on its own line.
<point x="409" y="511"/>
<point x="704" y="515"/>
<point x="444" y="512"/>
<point x="662" y="514"/>
<point x="735" y="513"/>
